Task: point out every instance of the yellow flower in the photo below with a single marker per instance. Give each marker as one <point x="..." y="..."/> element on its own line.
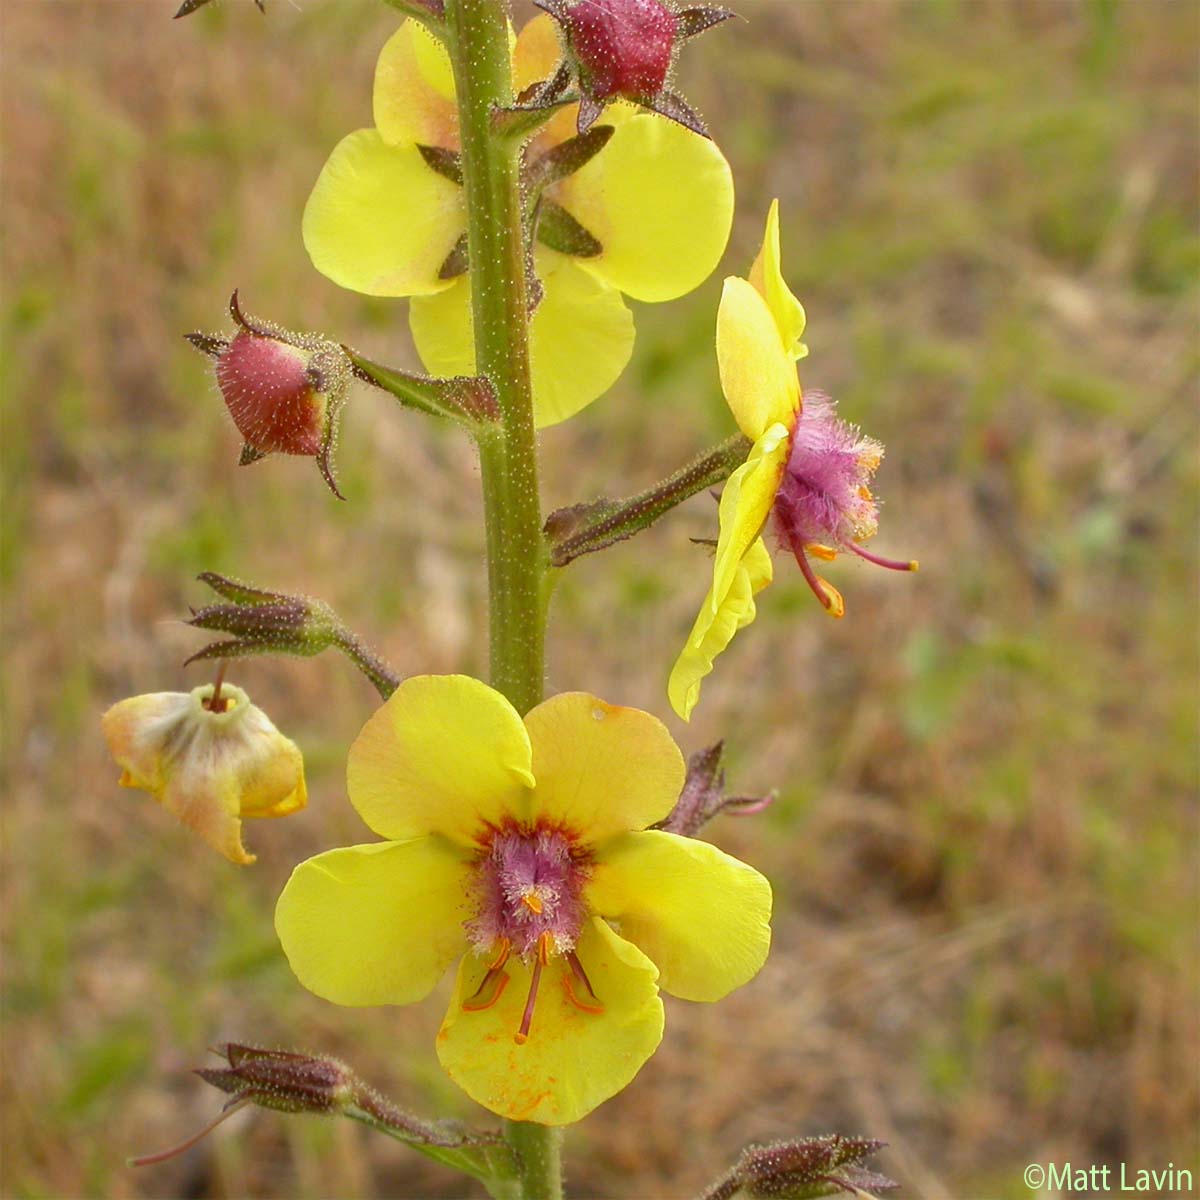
<point x="656" y="203"/>
<point x="807" y="468"/>
<point x="209" y="767"/>
<point x="522" y="848"/>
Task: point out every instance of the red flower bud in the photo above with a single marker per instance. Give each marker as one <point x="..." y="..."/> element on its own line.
<point x="283" y="389"/>
<point x="270" y="391"/>
<point x="624" y="47"/>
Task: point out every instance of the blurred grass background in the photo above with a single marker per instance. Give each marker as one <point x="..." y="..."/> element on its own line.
<point x="985" y="847"/>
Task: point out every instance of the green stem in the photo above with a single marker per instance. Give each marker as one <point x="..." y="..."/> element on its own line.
<point x="468" y="401"/>
<point x="382" y="677"/>
<point x="477" y="40"/>
<point x="586" y="528"/>
<point x="538" y="1149"/>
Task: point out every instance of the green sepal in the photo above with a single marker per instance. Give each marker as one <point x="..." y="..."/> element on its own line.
<point x="691" y="22"/>
<point x="568" y="157"/>
<point x="560" y="231"/>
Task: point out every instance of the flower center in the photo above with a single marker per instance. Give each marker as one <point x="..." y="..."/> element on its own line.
<point x="528" y="888"/>
<point x="824" y="504"/>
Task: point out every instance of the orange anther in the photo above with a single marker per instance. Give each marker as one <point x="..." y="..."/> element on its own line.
<point x="502" y="956"/>
<point x="489" y="991"/>
<point x="595" y="1007"/>
<point x="533" y="902"/>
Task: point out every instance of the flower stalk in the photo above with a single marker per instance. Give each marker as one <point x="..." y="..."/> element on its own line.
<point x="477" y="41"/>
<point x="467" y="401"/>
<point x="585" y="528"/>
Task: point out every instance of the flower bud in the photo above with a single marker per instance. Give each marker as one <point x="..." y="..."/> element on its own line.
<point x="624" y="49"/>
<point x="286" y="1082"/>
<point x="321" y="1085"/>
<point x="318" y="1083"/>
<point x="210" y="758"/>
<point x="264" y="622"/>
<point x="283" y="389"/>
<point x="819" y="1166"/>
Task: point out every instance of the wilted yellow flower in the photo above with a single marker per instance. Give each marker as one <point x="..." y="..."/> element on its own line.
<point x="210" y="765"/>
<point x="522" y="848"/>
<point x="648" y="215"/>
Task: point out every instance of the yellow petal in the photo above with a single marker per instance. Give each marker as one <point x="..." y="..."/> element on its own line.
<point x="581" y="337"/>
<point x="700" y="915"/>
<point x="600" y="769"/>
<point x="767" y="277"/>
<point x="209" y="808"/>
<point x="745" y="506"/>
<point x="659" y="199"/>
<point x="376" y="924"/>
<point x="414" y="90"/>
<point x="445" y="754"/>
<point x="135" y="730"/>
<point x="712" y="632"/>
<point x="573" y="1060"/>
<point x="380" y="221"/>
<point x="537" y="52"/>
<point x="758" y="376"/>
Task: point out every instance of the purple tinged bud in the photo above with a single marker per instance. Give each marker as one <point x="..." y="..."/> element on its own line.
<point x="311" y="1083"/>
<point x="268" y="622"/>
<point x="623" y="47"/>
<point x="263" y="622"/>
<point x="286" y="1082"/>
<point x="811" y="1167"/>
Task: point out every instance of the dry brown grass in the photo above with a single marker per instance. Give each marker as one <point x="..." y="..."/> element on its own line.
<point x="984" y="853"/>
